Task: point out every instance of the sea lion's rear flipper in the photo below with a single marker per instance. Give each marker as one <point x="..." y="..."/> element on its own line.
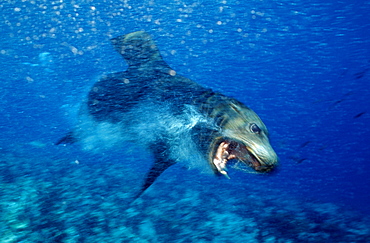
<point x="67" y="139"/>
<point x="161" y="163"/>
<point x="138" y="49"/>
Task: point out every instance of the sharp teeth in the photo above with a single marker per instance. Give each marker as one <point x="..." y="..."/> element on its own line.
<point x="221" y="166"/>
<point x="225" y="155"/>
<point x="225" y="174"/>
<point x="225" y="145"/>
<point x="221" y="158"/>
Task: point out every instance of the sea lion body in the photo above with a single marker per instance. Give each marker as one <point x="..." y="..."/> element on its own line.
<point x="173" y="117"/>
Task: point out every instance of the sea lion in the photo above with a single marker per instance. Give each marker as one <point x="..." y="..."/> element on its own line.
<point x="170" y="115"/>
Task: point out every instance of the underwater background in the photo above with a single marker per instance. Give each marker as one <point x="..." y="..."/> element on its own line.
<point x="303" y="66"/>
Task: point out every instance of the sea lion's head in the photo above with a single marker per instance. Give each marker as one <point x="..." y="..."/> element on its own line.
<point x="243" y="139"/>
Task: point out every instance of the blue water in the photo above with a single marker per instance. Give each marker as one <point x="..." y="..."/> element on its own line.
<point x="303" y="66"/>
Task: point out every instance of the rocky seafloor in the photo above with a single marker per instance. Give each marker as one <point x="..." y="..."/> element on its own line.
<point x="56" y="199"/>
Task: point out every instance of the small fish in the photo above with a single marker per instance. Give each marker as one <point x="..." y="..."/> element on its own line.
<point x="297" y="159"/>
<point x="45" y="60"/>
<point x="305" y="144"/>
<point x="361" y="74"/>
<point x="359" y="115"/>
<point x="301" y="160"/>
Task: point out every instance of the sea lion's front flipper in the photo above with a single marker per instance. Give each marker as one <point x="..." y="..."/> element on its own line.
<point x="161" y="163"/>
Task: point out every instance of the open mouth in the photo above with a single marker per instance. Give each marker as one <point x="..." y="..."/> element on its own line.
<point x="230" y="150"/>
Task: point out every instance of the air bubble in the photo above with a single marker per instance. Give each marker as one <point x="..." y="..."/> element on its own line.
<point x="74" y="50"/>
<point x="29" y="79"/>
<point x="172" y="72"/>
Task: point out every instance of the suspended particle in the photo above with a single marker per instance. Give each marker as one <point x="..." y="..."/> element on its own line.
<point x="172" y="72"/>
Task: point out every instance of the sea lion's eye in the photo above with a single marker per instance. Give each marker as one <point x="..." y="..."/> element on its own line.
<point x="254" y="128"/>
